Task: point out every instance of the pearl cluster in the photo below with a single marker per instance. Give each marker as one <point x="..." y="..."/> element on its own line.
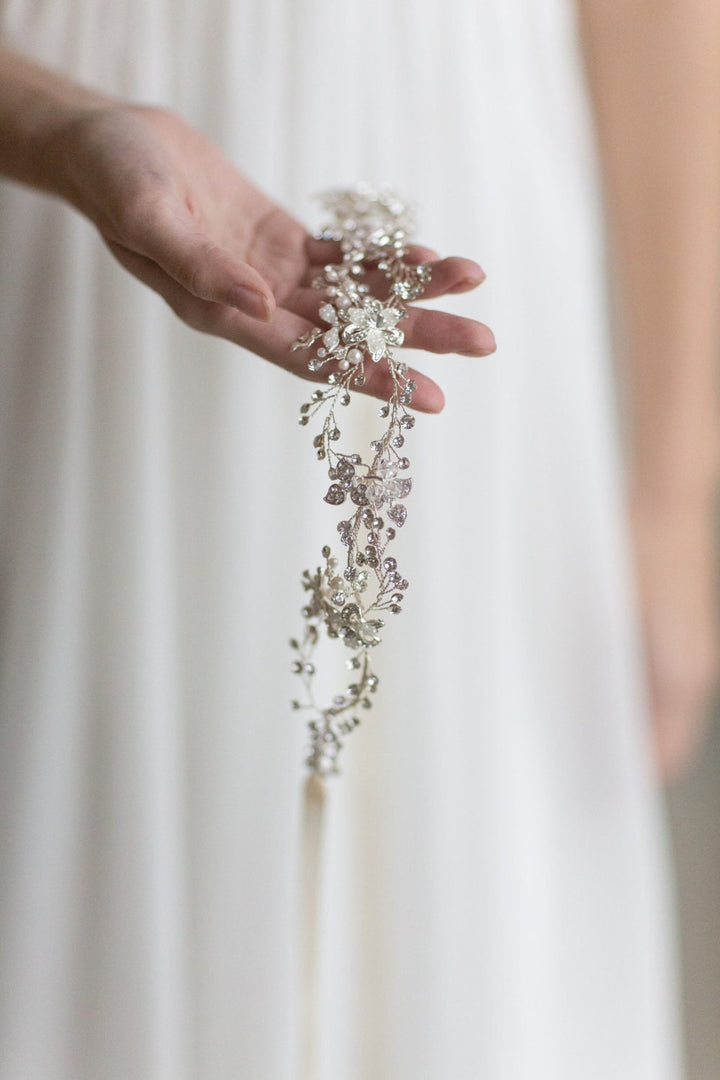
<point x="349" y="602"/>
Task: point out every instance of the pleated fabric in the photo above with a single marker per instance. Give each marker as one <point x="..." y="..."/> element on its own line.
<point x="495" y="891"/>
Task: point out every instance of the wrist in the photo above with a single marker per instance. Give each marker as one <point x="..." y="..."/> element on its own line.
<point x="39" y="109"/>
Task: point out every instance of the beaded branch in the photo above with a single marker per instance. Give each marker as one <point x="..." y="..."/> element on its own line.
<point x="373" y="228"/>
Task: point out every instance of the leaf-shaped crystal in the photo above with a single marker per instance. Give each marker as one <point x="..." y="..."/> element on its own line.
<point x="331" y="338"/>
<point x="376" y="343"/>
<point x="335" y="495"/>
<point x="398" y="513"/>
<point x="357" y="316"/>
<point x="398" y="489"/>
<point x="390" y="316"/>
<point x="328" y="313"/>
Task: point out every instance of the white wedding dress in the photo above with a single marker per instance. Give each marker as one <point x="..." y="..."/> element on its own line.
<point x="495" y="897"/>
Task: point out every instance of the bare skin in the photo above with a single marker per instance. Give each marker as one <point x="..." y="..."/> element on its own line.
<point x="181" y="218"/>
<point x="655" y="81"/>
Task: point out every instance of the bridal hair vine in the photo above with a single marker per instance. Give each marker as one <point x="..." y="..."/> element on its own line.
<point x="350" y="603"/>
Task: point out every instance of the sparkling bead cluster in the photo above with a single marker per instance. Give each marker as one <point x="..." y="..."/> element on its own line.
<point x="351" y="601"/>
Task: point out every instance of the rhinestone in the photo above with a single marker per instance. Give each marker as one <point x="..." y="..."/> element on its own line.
<point x="398" y="441"/>
<point x="404" y="463"/>
<point x="407" y="422"/>
<point x="326" y="552"/>
<point x="297" y="667"/>
<point x="335" y="495"/>
<point x="390" y="563"/>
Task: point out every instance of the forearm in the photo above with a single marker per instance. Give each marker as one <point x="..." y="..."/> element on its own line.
<point x="36" y="104"/>
<point x="654" y="76"/>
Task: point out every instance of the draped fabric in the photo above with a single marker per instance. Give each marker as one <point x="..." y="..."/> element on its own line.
<point x="495" y="900"/>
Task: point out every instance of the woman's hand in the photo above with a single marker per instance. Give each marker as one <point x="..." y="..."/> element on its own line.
<point x="229" y="261"/>
<point x="676" y="568"/>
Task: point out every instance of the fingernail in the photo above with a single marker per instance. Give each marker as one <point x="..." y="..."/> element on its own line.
<point x="252" y="303"/>
<point x="469" y="283"/>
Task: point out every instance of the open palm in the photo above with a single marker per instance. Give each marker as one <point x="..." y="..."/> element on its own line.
<point x="227" y="259"/>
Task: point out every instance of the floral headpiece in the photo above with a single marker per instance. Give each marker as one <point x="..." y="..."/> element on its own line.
<point x="351" y="602"/>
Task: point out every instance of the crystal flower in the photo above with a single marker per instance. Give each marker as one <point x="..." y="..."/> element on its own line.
<point x="384" y="485"/>
<point x="375" y="325"/>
